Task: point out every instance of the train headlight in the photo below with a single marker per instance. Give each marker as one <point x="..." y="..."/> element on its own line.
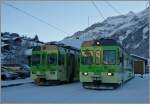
<point x="98" y="43"/>
<point x="85" y="73"/>
<point x="109" y="74"/>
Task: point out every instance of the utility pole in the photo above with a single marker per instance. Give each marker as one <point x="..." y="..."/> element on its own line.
<point x="88" y="21"/>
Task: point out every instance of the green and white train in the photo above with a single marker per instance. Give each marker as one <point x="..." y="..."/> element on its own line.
<point x="54" y="63"/>
<point x="104" y="63"/>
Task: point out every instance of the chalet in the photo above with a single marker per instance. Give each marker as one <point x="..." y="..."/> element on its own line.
<point x="140" y="64"/>
<point x="16" y="49"/>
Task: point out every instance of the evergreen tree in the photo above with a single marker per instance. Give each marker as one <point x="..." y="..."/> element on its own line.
<point x="36" y="38"/>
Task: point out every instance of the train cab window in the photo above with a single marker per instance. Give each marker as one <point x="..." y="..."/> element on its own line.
<point x="97" y="57"/>
<point x="109" y="57"/>
<point x="87" y="57"/>
<point x="52" y="58"/>
<point x="35" y="59"/>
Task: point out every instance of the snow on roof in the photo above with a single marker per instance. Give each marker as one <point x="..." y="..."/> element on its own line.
<point x="16" y="38"/>
<point x="28" y="52"/>
<point x="5" y="38"/>
<point x="139" y="56"/>
<point x="10" y="38"/>
<point x="3" y="44"/>
<point x="73" y="42"/>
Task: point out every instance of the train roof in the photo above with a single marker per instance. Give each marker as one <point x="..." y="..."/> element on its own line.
<point x="102" y="41"/>
<point x="58" y="44"/>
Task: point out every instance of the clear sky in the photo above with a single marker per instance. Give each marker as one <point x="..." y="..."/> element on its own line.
<point x="70" y="16"/>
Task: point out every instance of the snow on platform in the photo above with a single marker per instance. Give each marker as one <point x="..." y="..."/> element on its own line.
<point x="134" y="91"/>
<point x="15" y="82"/>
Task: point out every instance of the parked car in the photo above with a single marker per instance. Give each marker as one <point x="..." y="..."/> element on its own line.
<point x="6" y="74"/>
<point x="22" y="72"/>
<point x="25" y="67"/>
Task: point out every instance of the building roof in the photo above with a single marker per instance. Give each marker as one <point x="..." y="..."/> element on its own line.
<point x="3" y="39"/>
<point x="3" y="44"/>
<point x="14" y="38"/>
<point x="139" y="57"/>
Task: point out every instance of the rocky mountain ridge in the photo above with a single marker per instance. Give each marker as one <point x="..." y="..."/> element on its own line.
<point x="131" y="30"/>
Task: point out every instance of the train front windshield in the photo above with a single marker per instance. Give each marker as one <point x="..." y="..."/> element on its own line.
<point x="35" y="59"/>
<point x="109" y="57"/>
<point x="52" y="58"/>
<point x="87" y="57"/>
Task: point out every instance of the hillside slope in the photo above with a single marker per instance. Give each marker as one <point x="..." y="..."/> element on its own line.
<point x="131" y="30"/>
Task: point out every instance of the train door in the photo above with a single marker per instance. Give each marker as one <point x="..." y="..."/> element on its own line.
<point x="67" y="65"/>
<point x="77" y="66"/>
<point x="70" y="66"/>
<point x="73" y="67"/>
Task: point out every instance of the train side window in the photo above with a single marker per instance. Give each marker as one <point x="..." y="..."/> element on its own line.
<point x="62" y="59"/>
<point x="59" y="59"/>
<point x="43" y="59"/>
<point x="97" y="57"/>
<point x="118" y="56"/>
<point x="52" y="58"/>
<point x="35" y="59"/>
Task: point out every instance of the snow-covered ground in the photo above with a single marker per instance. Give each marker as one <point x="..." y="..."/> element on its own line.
<point x="134" y="91"/>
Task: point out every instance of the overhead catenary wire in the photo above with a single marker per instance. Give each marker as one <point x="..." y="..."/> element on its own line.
<point x="116" y="10"/>
<point x="101" y="14"/>
<point x="22" y="11"/>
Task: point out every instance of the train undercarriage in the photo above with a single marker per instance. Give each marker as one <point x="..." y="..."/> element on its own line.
<point x="44" y="82"/>
<point x="100" y="86"/>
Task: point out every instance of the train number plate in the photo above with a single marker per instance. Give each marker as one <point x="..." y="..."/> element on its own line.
<point x="96" y="78"/>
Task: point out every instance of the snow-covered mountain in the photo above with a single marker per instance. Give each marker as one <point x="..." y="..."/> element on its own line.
<point x="131" y="30"/>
